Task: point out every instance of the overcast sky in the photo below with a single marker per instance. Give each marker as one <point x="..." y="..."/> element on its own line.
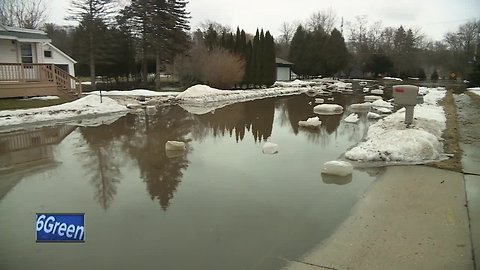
<point x="434" y="17"/>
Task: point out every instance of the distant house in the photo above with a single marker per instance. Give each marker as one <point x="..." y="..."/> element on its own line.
<point x="31" y="66"/>
<point x="284" y="69"/>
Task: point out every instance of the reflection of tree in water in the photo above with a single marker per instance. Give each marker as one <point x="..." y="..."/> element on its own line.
<point x="260" y="114"/>
<point x="299" y="109"/>
<point x="101" y="160"/>
<point x="161" y="174"/>
<point x="255" y="116"/>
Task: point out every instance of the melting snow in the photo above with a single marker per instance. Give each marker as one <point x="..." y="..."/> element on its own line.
<point x="390" y="140"/>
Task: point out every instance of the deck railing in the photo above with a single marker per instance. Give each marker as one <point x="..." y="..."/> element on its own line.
<point x="41" y="73"/>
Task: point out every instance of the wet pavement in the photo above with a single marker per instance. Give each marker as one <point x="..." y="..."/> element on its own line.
<point x="221" y="205"/>
<point x="468" y="111"/>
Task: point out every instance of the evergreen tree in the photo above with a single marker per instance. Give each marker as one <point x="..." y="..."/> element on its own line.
<point x="297" y="50"/>
<point x="336" y="53"/>
<point x="93" y="16"/>
<point x="269" y="66"/>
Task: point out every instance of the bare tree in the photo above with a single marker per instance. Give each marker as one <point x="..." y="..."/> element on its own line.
<point x="217" y="67"/>
<point x="287" y="30"/>
<point x="322" y="21"/>
<point x="23" y="13"/>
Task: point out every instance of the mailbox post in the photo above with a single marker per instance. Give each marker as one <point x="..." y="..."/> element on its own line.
<point x="406" y="95"/>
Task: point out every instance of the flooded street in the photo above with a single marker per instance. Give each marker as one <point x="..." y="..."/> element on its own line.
<point x="221" y="205"/>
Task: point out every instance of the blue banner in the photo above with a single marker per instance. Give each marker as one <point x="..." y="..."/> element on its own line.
<point x="60" y="227"/>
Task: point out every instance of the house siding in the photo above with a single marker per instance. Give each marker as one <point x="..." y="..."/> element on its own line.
<point x="8" y="51"/>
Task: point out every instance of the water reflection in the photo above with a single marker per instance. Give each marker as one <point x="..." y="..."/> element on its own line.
<point x="143" y="137"/>
<point x="28" y="151"/>
<point x="256" y="117"/>
<point x="335" y="179"/>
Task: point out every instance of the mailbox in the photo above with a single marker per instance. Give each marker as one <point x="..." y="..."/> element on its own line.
<point x="406" y="95"/>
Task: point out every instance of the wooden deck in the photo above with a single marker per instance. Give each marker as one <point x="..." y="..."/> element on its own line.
<point x="26" y="80"/>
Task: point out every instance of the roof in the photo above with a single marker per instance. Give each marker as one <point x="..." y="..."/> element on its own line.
<point x="280" y="61"/>
<point x="50" y="45"/>
<point x="23" y="34"/>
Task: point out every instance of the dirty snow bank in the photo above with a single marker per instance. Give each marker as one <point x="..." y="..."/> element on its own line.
<point x="84" y="107"/>
<point x="42" y="98"/>
<point x="200" y="99"/>
<point x="474" y="90"/>
<point x="390" y="140"/>
<point x="134" y="93"/>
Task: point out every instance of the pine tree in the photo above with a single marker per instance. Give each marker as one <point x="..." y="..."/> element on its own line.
<point x="336" y="53"/>
<point x="93" y="16"/>
<point x="269" y="66"/>
<point x="297" y="50"/>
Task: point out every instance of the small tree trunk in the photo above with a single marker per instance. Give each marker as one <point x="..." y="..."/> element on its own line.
<point x="92" y="63"/>
<point x="157" y="68"/>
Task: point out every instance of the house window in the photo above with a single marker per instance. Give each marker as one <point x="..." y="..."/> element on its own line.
<point x="27" y="55"/>
<point x="47" y="54"/>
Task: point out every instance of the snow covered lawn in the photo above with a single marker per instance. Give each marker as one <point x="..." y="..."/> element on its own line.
<point x="85" y="107"/>
<point x="390" y="140"/>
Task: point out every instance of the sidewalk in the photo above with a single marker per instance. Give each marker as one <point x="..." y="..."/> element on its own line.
<point x="413" y="217"/>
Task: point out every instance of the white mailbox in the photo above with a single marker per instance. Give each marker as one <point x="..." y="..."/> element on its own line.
<point x="406" y="95"/>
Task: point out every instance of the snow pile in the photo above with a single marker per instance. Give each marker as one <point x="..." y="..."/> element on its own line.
<point x="84" y="107"/>
<point x="319" y="100"/>
<point x="352" y="118"/>
<point x="340" y="168"/>
<point x="474" y="90"/>
<point x="270" y="148"/>
<point x="202" y="94"/>
<point x="390" y="140"/>
<point x="42" y="98"/>
<point x="134" y="93"/>
<point x="328" y="109"/>
<point x="313" y="122"/>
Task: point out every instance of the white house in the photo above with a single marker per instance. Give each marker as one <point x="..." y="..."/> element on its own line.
<point x="284" y="69"/>
<point x="31" y="65"/>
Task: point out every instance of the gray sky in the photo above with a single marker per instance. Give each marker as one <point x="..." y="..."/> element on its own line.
<point x="434" y="17"/>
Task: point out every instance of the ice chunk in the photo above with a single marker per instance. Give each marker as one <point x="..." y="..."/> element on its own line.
<point x="175" y="146"/>
<point x="151" y="110"/>
<point x="313" y="122"/>
<point x="366" y="89"/>
<point x="134" y="106"/>
<point x="335" y="179"/>
<point x="373" y="115"/>
<point x="361" y="106"/>
<point x="270" y="148"/>
<point x="319" y="100"/>
<point x="372" y="98"/>
<point x="336" y="167"/>
<point x="382" y="103"/>
<point x="352" y="118"/>
<point x="377" y="92"/>
<point x="328" y="109"/>
<point x="362" y="83"/>
<point x="384" y="110"/>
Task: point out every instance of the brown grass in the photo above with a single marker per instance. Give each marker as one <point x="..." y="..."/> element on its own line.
<point x="451" y="137"/>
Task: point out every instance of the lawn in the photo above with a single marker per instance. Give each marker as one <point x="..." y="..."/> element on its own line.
<point x="19" y="103"/>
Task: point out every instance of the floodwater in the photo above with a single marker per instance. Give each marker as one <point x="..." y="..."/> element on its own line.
<point x="221" y="205"/>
